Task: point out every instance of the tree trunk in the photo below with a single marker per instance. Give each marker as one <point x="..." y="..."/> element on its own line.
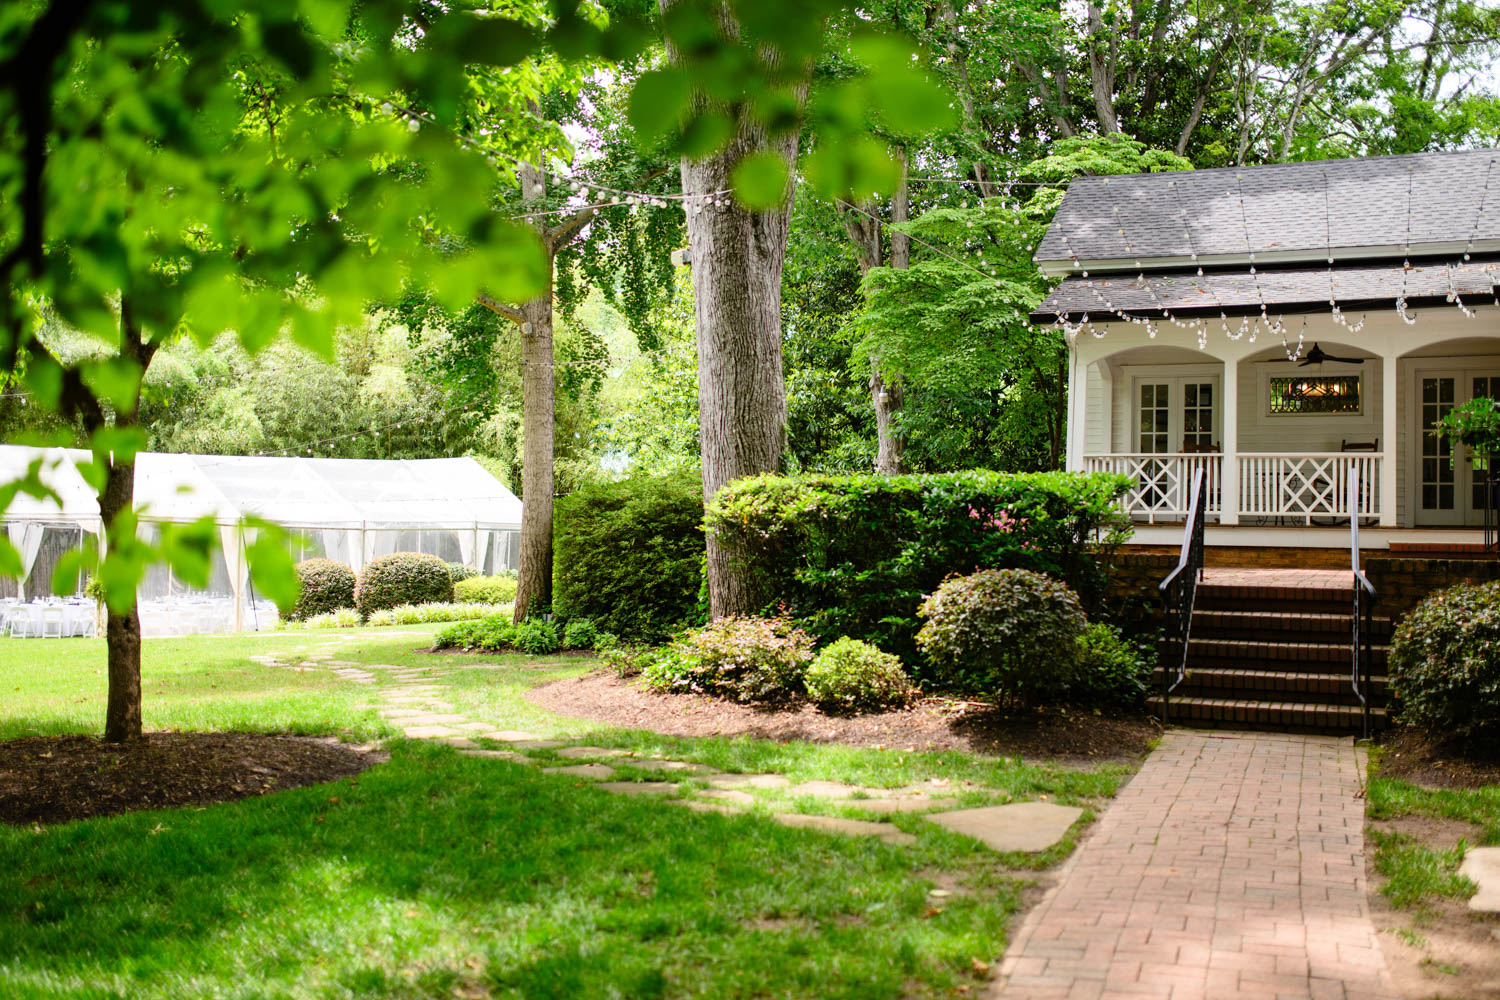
<point x="538" y="410"/>
<point x="122" y="630"/>
<point x="888" y="395"/>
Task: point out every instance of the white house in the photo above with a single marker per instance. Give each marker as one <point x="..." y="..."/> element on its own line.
<point x="1284" y="328"/>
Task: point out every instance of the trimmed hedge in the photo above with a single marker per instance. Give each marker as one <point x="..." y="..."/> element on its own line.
<point x="629" y="555"/>
<point x="402" y="578"/>
<point x="326" y="587"/>
<point x="486" y="589"/>
<point x="854" y="555"/>
<point x="1445" y="665"/>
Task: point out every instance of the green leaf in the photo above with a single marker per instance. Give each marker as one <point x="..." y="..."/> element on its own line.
<point x="188" y="549"/>
<point x="10" y="559"/>
<point x="328" y="18"/>
<point x="116" y="380"/>
<point x="760" y="180"/>
<point x="271" y="566"/>
<point x="73" y="563"/>
<point x="487" y="41"/>
<point x="658" y="103"/>
<point x="704" y="134"/>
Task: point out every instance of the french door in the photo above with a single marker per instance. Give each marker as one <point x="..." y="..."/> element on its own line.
<point x="1450" y="478"/>
<point x="1176" y="414"/>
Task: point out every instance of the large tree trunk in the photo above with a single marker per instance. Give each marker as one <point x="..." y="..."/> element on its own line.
<point x="122" y="630"/>
<point x="538" y="409"/>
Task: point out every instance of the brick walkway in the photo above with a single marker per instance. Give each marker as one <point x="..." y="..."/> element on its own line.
<point x="1230" y="867"/>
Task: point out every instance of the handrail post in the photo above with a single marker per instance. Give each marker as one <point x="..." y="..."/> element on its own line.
<point x="1179" y="592"/>
<point x="1362" y="618"/>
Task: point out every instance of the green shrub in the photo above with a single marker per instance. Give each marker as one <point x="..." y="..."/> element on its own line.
<point x="342" y="618"/>
<point x="326" y="586"/>
<point x="458" y="571"/>
<point x="1113" y="671"/>
<point x="854" y="555"/>
<point x="1011" y="634"/>
<point x="746" y="659"/>
<point x="580" y="633"/>
<point x="486" y="589"/>
<point x="402" y="578"/>
<point x="491" y="635"/>
<point x="536" y="637"/>
<point x="850" y="675"/>
<point x="627" y="661"/>
<point x="1445" y="664"/>
<point x="629" y="555"/>
<point x="405" y="614"/>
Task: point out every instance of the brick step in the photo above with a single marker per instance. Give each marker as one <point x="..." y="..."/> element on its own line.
<point x="1230" y="713"/>
<point x="1275" y="600"/>
<point x="1299" y="657"/>
<point x="1263" y="626"/>
<point x="1280" y="685"/>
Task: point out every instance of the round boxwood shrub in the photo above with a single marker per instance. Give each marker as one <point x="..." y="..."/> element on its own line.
<point x="1445" y="664"/>
<point x="854" y="676"/>
<point x="402" y="578"/>
<point x="1011" y="634"/>
<point x="327" y="586"/>
<point x="746" y="659"/>
<point x="1112" y="670"/>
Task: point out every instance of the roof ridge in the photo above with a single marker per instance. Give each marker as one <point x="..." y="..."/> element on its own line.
<point x="1342" y="160"/>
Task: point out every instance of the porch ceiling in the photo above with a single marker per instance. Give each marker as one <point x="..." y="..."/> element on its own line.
<point x="1282" y="290"/>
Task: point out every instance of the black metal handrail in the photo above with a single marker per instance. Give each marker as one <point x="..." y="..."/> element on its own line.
<point x="1491" y="489"/>
<point x="1179" y="592"/>
<point x="1364" y="605"/>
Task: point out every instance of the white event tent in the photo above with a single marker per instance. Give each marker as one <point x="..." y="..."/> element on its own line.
<point x="348" y="510"/>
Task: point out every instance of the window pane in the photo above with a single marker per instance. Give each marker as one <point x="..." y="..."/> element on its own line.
<point x="1429" y="390"/>
<point x="1206" y="394"/>
<point x="1190" y="395"/>
<point x="1316" y="394"/>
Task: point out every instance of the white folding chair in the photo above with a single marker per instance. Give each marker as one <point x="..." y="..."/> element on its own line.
<point x="83" y="624"/>
<point x="18" y="624"/>
<point x="52" y="623"/>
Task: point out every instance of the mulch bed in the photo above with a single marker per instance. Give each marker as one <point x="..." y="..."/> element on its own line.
<point x="53" y="779"/>
<point x="1413" y="756"/>
<point x="931" y="724"/>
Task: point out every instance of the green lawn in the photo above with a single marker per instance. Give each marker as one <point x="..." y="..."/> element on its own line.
<point x="1414" y="871"/>
<point x="439" y="875"/>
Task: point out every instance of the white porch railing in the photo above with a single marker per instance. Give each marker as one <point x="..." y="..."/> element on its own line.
<point x="1285" y="488"/>
<point x="1302" y="487"/>
<point x="1162" y="482"/>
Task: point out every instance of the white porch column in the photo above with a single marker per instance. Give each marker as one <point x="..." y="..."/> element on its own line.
<point x="1388" y="462"/>
<point x="1229" y="473"/>
<point x="1075" y="430"/>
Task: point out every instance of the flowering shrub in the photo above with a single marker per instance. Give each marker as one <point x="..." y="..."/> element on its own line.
<point x="326" y="587"/>
<point x="402" y="578"/>
<point x="854" y="555"/>
<point x="746" y="659"/>
<point x="1011" y="634"/>
<point x="1445" y="664"/>
<point x="851" y="675"/>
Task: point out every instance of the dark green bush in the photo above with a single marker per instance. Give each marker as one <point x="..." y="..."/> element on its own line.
<point x="537" y="637"/>
<point x="1010" y="634"/>
<point x="1113" y="671"/>
<point x="580" y="633"/>
<point x="326" y="585"/>
<point x="1445" y="664"/>
<point x="854" y="555"/>
<point x="746" y="659"/>
<point x="402" y="578"/>
<point x="458" y="571"/>
<point x="629" y="555"/>
<point x="486" y="589"/>
<point x="854" y="676"/>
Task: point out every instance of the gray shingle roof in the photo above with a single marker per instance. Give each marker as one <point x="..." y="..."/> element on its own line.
<point x="1282" y="290"/>
<point x="1289" y="208"/>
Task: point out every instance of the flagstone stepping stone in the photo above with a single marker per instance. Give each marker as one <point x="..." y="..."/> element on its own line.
<point x="428" y="732"/>
<point x="827" y="789"/>
<point x="1482" y="867"/>
<point x="853" y="827"/>
<point x="901" y="805"/>
<point x="514" y="735"/>
<point x="730" y="795"/>
<point x="344" y="663"/>
<point x="597" y="772"/>
<point x="438" y="719"/>
<point x="462" y="742"/>
<point x="475" y="727"/>
<point x="402" y="699"/>
<point x="680" y="766"/>
<point x="707" y="807"/>
<point x="1019" y="826"/>
<point x="638" y="787"/>
<point x="514" y="758"/>
<point x="537" y="744"/>
<point x="584" y="752"/>
<point x="747" y="781"/>
<point x="400" y="713"/>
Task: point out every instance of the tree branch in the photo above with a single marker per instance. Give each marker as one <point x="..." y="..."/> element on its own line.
<point x="500" y="308"/>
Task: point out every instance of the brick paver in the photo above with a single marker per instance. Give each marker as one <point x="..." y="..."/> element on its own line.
<point x="1231" y="867"/>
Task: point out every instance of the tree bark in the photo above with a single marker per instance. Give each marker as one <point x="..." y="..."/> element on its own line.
<point x="538" y="412"/>
<point x="122" y="630"/>
<point x="738" y="257"/>
<point x="1102" y="47"/>
<point x="888" y="395"/>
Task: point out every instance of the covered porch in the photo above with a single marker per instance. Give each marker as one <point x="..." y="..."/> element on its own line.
<point x="1280" y="429"/>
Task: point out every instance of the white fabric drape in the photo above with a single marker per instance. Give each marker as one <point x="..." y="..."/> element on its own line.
<point x="27" y="538"/>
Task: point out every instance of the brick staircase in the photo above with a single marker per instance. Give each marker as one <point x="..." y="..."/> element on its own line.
<point x="1272" y="650"/>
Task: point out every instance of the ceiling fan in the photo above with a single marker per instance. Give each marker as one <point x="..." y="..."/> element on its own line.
<point x="1317" y="356"/>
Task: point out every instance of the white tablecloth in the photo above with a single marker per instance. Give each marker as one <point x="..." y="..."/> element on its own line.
<point x="75" y="617"/>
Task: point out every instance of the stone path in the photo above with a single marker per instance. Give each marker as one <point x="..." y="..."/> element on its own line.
<point x="1230" y="867"/>
<point x="412" y="698"/>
